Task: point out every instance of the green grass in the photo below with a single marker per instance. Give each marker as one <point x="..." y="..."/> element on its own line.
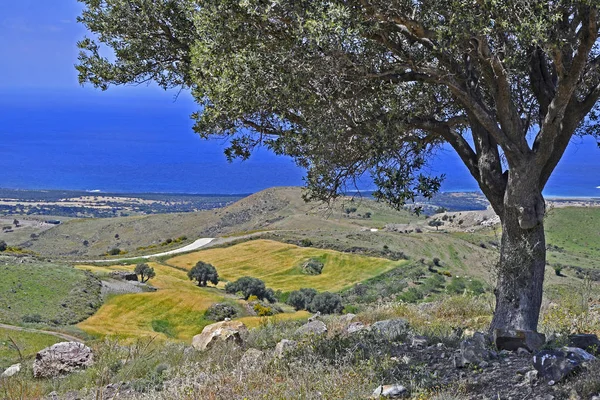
<point x="278" y="264"/>
<point x="28" y="343"/>
<point x="46" y="293"/>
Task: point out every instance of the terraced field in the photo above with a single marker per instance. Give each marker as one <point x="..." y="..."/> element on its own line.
<point x="279" y="265"/>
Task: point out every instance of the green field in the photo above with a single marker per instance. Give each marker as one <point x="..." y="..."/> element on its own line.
<point x="28" y="343"/>
<point x="49" y="294"/>
<point x="279" y="265"/>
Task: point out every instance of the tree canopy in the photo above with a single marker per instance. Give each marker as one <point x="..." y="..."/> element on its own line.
<point x="358" y="87"/>
<point x="145" y="272"/>
<point x="203" y="273"/>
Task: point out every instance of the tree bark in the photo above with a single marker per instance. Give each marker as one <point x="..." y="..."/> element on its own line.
<point x="520" y="271"/>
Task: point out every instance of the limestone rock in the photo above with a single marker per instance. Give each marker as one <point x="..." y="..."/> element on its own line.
<point x="11" y="371"/>
<point x="284" y="347"/>
<point x="512" y="339"/>
<point x="419" y="342"/>
<point x="224" y="331"/>
<point x="390" y="392"/>
<point x="555" y="365"/>
<point x="312" y="328"/>
<point x="474" y="350"/>
<point x="62" y="358"/>
<point x="391" y="329"/>
<point x="347" y="318"/>
<point x="252" y="358"/>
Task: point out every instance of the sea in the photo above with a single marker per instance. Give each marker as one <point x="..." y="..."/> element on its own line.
<point x="142" y="142"/>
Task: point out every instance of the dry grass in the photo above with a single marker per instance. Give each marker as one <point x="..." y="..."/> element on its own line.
<point x="278" y="264"/>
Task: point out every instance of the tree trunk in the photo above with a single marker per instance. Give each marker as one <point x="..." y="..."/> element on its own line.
<point x="520" y="271"/>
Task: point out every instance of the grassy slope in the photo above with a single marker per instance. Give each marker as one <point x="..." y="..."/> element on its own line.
<point x="55" y="292"/>
<point x="179" y="303"/>
<point x="278" y="264"/>
<point x="29" y="344"/>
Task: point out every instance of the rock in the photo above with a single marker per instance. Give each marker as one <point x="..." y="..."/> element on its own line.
<point x="124" y="275"/>
<point x="391" y="329"/>
<point x="315" y="317"/>
<point x="312" y="328"/>
<point x="390" y="392"/>
<point x="474" y="350"/>
<point x="224" y="331"/>
<point x="531" y="377"/>
<point x="62" y="358"/>
<point x="587" y="342"/>
<point x="252" y="359"/>
<point x="284" y="347"/>
<point x="355" y="327"/>
<point x="555" y="365"/>
<point x="11" y="371"/>
<point x="512" y="339"/>
<point x="347" y="318"/>
<point x="521" y="352"/>
<point x="419" y="342"/>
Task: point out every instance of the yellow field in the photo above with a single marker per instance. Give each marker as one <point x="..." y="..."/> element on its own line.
<point x="278" y="264"/>
<point x="178" y="301"/>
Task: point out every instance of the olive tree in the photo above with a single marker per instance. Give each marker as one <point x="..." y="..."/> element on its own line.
<point x="145" y="272"/>
<point x="359" y="87"/>
<point x="203" y="273"/>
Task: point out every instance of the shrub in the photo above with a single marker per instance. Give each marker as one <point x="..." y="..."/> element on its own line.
<point x="433" y="282"/>
<point x="436" y="262"/>
<point x="32" y="319"/>
<point x="306" y="243"/>
<point x="301" y="299"/>
<point x="220" y="311"/>
<point x="114" y="252"/>
<point x="476" y="287"/>
<point x="203" y="273"/>
<point x="457" y="285"/>
<point x="411" y="295"/>
<point x="326" y="303"/>
<point x="262" y="311"/>
<point x="249" y="286"/>
<point x="367" y="215"/>
<point x="3" y="245"/>
<point x="313" y="266"/>
<point x="558" y="269"/>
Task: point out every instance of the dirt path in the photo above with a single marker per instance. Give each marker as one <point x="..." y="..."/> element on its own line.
<point x="31" y="330"/>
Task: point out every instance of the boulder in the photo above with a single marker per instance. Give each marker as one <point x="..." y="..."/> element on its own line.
<point x="513" y="339"/>
<point x="391" y="329"/>
<point x="390" y="392"/>
<point x="284" y="346"/>
<point x="312" y="328"/>
<point x="587" y="342"/>
<point x="10" y="371"/>
<point x="315" y="317"/>
<point x="347" y="318"/>
<point x="555" y="365"/>
<point x="62" y="358"/>
<point x="419" y="342"/>
<point x="224" y="331"/>
<point x="355" y="327"/>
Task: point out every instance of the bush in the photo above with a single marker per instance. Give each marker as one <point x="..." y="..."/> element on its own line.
<point x="326" y="303"/>
<point x="249" y="286"/>
<point x="301" y="299"/>
<point x="456" y="286"/>
<point x="411" y="295"/>
<point x="262" y="311"/>
<point x="436" y="262"/>
<point x="220" y="311"/>
<point x="558" y="269"/>
<point x="432" y="283"/>
<point x="114" y="252"/>
<point x="203" y="273"/>
<point x="476" y="287"/>
<point x="32" y="319"/>
<point x="306" y="243"/>
<point x="313" y="266"/>
<point x="3" y="245"/>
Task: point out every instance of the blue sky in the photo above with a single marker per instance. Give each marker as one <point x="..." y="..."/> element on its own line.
<point x="40" y="96"/>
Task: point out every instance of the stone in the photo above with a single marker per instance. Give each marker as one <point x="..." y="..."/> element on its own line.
<point x="124" y="275"/>
<point x="284" y="347"/>
<point x="521" y="352"/>
<point x="475" y="350"/>
<point x="252" y="358"/>
<point x="312" y="328"/>
<point x="391" y="329"/>
<point x="512" y="339"/>
<point x="355" y="327"/>
<point x="62" y="358"/>
<point x="587" y="342"/>
<point x="419" y="342"/>
<point x="11" y="371"/>
<point x="220" y="332"/>
<point x="347" y="318"/>
<point x="315" y="317"/>
<point x="554" y="365"/>
<point x="531" y="377"/>
<point x="390" y="392"/>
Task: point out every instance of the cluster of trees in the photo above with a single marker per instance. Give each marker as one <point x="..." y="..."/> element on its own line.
<point x="248" y="286"/>
<point x="313" y="301"/>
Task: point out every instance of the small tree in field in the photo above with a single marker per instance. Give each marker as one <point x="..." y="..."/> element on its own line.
<point x="250" y="286"/>
<point x="3" y="245"/>
<point x="203" y="273"/>
<point x="145" y="272"/>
